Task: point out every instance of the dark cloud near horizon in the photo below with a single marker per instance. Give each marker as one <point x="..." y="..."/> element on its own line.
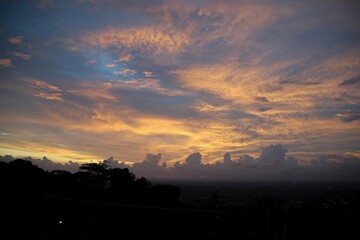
<point x="273" y="154"/>
<point x="271" y="165"/>
<point x="45" y="163"/>
<point x="350" y="81"/>
<point x="150" y="166"/>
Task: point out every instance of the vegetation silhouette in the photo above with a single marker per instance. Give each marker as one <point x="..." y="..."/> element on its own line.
<point x="100" y="202"/>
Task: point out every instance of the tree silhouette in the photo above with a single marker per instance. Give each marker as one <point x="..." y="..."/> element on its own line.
<point x="96" y="169"/>
<point x="96" y="174"/>
<point x="121" y="178"/>
<point x="96" y="181"/>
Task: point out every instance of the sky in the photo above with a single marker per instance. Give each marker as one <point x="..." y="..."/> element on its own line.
<point x="85" y="80"/>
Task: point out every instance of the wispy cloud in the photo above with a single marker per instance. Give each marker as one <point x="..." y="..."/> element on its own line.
<point x="145" y="40"/>
<point x="21" y="55"/>
<point x="125" y="58"/>
<point x="50" y="96"/>
<point x="111" y="65"/>
<point x="92" y="61"/>
<point x="5" y="62"/>
<point x="149" y="74"/>
<point x="125" y="72"/>
<point x="350" y="81"/>
<point x="44" y="90"/>
<point x="41" y="84"/>
<point x="148" y="84"/>
<point x="349" y="116"/>
<point x="15" y="40"/>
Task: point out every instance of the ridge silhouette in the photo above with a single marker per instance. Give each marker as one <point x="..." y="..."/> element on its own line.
<point x="100" y="202"/>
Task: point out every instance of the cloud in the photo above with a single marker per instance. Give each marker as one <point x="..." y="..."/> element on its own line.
<point x="6" y="158"/>
<point x="5" y="62"/>
<point x="124" y="58"/>
<point x="348" y="116"/>
<point x="92" y="61"/>
<point x="50" y="165"/>
<point x="227" y="159"/>
<point x="44" y="90"/>
<point x="247" y="168"/>
<point x="46" y="163"/>
<point x="148" y="84"/>
<point x="50" y="96"/>
<point x="125" y="72"/>
<point x="339" y="167"/>
<point x="273" y="154"/>
<point x="41" y="84"/>
<point x="148" y="74"/>
<point x="111" y="65"/>
<point x="264" y="109"/>
<point x="233" y="57"/>
<point x="111" y="162"/>
<point x="243" y="74"/>
<point x="151" y="166"/>
<point x="207" y="107"/>
<point x="23" y="56"/>
<point x="243" y="168"/>
<point x="271" y="165"/>
<point x="261" y="99"/>
<point x="350" y="81"/>
<point x="228" y="21"/>
<point x="15" y="40"/>
<point x="144" y="39"/>
<point x="193" y="160"/>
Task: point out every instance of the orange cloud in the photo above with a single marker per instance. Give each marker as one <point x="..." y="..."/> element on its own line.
<point x="50" y="96"/>
<point x="151" y="40"/>
<point x="148" y="74"/>
<point x="15" y="40"/>
<point x="124" y="58"/>
<point x="232" y="22"/>
<point x="207" y="107"/>
<point x="61" y="154"/>
<point x="43" y="85"/>
<point x="93" y="91"/>
<point x="5" y="62"/>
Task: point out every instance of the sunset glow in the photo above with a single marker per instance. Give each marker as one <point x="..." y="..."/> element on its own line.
<point x="86" y="80"/>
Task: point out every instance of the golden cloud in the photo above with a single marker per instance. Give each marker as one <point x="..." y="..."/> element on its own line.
<point x="50" y="96"/>
<point x="148" y="39"/>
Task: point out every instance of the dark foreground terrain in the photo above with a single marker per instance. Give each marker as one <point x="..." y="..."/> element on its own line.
<point x="39" y="205"/>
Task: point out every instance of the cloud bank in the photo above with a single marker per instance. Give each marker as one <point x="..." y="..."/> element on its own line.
<point x="271" y="165"/>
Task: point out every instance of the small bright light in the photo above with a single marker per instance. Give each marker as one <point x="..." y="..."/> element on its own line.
<point x="60" y="222"/>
